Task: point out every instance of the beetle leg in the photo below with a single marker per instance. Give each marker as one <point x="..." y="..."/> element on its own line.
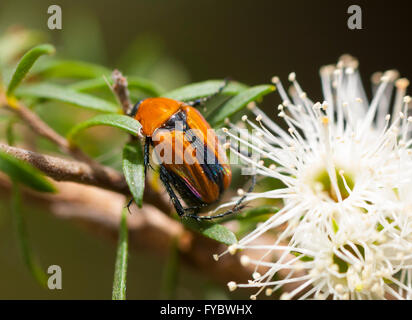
<point x="236" y="208"/>
<point x="166" y="180"/>
<point x="146" y="158"/>
<point x="202" y="101"/>
<point x="193" y="208"/>
<point x="129" y="204"/>
<point x="192" y="211"/>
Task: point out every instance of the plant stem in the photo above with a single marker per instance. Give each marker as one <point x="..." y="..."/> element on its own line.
<point x="120" y="272"/>
<point x="21" y="232"/>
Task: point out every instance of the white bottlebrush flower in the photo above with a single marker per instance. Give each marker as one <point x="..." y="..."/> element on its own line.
<point x="346" y="166"/>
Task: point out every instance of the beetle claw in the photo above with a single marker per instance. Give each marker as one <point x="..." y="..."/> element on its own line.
<point x="128" y="205"/>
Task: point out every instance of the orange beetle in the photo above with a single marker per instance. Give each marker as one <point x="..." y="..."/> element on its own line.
<point x="192" y="162"/>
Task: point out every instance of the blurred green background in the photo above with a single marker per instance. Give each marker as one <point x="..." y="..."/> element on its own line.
<point x="173" y="43"/>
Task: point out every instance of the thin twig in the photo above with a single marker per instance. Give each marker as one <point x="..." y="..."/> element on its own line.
<point x="120" y="89"/>
<point x="68" y="170"/>
<point x="44" y="130"/>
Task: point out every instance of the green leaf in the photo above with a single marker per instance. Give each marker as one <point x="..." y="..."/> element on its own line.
<point x="137" y="83"/>
<point x="59" y="93"/>
<point x="90" y="85"/>
<point x="171" y="273"/>
<point x="238" y="102"/>
<point x="71" y="69"/>
<point x="26" y="63"/>
<point x="145" y="85"/>
<point x="125" y="123"/>
<point x="203" y="89"/>
<point x="120" y="271"/>
<point x="133" y="169"/>
<point x="22" y="238"/>
<point x="22" y="172"/>
<point x="212" y="230"/>
<point x="214" y="104"/>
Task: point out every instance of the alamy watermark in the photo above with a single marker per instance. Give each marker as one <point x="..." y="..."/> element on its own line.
<point x="55" y="19"/>
<point x="355" y="18"/>
<point x="55" y="280"/>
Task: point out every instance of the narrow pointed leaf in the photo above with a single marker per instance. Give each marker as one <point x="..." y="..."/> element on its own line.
<point x="144" y="85"/>
<point x="26" y="63"/>
<point x="63" y="94"/>
<point x="212" y="230"/>
<point x="90" y="85"/>
<point x="204" y="89"/>
<point x="24" y="173"/>
<point x="27" y="254"/>
<point x="125" y="123"/>
<point x="120" y="272"/>
<point x="133" y="169"/>
<point x="237" y="103"/>
<point x="71" y="69"/>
